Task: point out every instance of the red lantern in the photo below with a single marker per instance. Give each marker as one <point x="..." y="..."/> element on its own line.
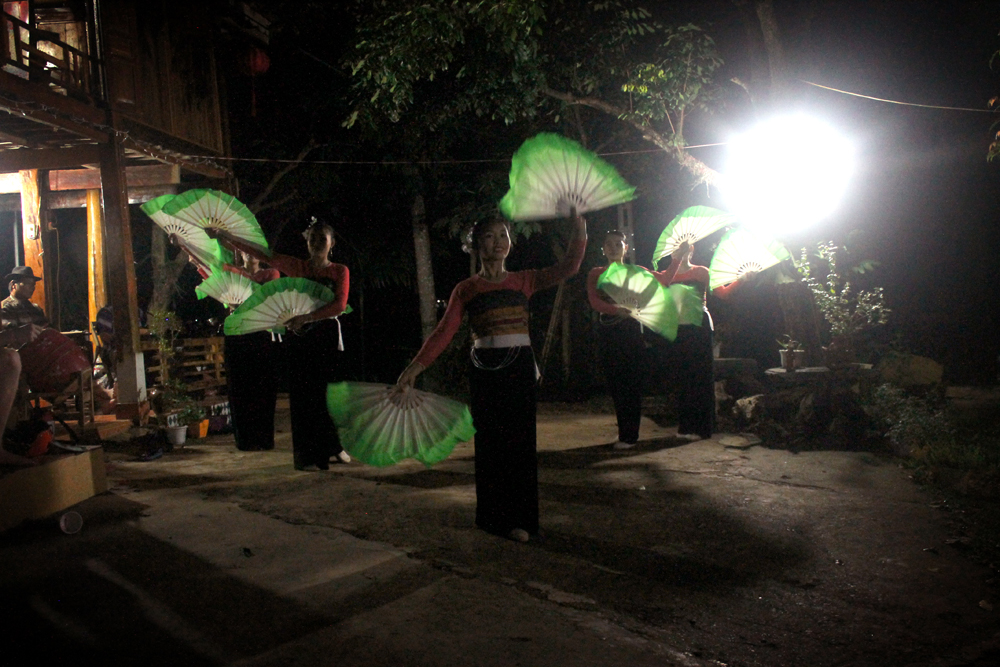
<point x="255" y="63"/>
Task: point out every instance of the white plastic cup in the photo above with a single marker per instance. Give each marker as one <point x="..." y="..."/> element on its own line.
<point x="71" y="522"/>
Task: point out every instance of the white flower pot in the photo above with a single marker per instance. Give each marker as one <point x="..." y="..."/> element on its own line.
<point x="176" y="435"/>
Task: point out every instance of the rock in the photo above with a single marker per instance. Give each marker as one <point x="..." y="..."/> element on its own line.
<point x="910" y="370"/>
<point x="751" y="408"/>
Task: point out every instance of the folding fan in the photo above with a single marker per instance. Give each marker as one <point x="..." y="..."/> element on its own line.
<point x="649" y="302"/>
<point x="206" y="250"/>
<point x="740" y="252"/>
<point x="381" y="426"/>
<point x="693" y="224"/>
<point x="276" y="302"/>
<point x="689" y="302"/>
<point x="550" y="176"/>
<point x="212" y="208"/>
<point x="228" y="287"/>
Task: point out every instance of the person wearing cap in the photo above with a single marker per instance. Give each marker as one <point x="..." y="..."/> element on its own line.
<point x="17" y="309"/>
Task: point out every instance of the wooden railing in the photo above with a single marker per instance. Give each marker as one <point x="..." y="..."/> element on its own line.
<point x="198" y="363"/>
<point x="38" y="55"/>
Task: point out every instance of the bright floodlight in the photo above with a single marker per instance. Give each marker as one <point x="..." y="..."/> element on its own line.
<point x="787" y="173"/>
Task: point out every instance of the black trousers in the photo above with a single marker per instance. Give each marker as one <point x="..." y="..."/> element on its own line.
<point x="503" y="411"/>
<point x="696" y="390"/>
<point x="313" y="362"/>
<point x="252" y="380"/>
<point x="623" y="359"/>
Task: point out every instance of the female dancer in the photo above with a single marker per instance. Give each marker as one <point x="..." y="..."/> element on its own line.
<point x="313" y="354"/>
<point x="502" y="374"/>
<point x="250" y="374"/>
<point x="696" y="403"/>
<point x="621" y="346"/>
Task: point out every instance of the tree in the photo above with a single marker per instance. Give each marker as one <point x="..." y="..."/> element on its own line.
<point x="516" y="59"/>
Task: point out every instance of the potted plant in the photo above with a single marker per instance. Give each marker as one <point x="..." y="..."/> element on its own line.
<point x="791" y="355"/>
<point x="192" y="415"/>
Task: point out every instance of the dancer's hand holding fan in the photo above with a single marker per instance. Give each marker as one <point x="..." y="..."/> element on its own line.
<point x="693" y="224"/>
<point x="742" y="252"/>
<point x="554" y="177"/>
<point x="276" y="303"/>
<point x="212" y="209"/>
<point x="206" y="251"/>
<point x="382" y="425"/>
<point x="657" y="307"/>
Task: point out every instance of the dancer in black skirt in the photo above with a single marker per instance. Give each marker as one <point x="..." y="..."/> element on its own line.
<point x="502" y="374"/>
<point x="314" y="347"/>
<point x="251" y="375"/>
<point x="622" y="350"/>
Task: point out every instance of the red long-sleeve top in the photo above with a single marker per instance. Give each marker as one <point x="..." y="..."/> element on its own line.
<point x="260" y="276"/>
<point x="334" y="276"/>
<point x="602" y="303"/>
<point x="700" y="276"/>
<point x="497" y="308"/>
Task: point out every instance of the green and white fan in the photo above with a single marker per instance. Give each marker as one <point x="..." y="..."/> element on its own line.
<point x="276" y="302"/>
<point x="381" y="426"/>
<point x="693" y="224"/>
<point x="206" y="250"/>
<point x="740" y="252"/>
<point x="689" y="302"/>
<point x="228" y="287"/>
<point x="551" y="176"/>
<point x="649" y="302"/>
<point x="215" y="209"/>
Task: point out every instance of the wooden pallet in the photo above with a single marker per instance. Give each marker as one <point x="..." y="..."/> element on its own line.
<point x="199" y="363"/>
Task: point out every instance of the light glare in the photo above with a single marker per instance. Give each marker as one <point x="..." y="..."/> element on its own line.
<point x="787" y="173"/>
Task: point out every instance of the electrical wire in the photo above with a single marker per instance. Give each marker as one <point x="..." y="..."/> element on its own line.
<point x="908" y="104"/>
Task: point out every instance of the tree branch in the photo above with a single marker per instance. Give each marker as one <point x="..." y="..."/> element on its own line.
<point x="258" y="201"/>
<point x="701" y="171"/>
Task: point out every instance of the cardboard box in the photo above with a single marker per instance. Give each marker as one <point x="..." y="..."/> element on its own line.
<point x="56" y="484"/>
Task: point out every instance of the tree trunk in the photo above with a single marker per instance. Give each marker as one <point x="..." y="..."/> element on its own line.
<point x="550" y="333"/>
<point x="165" y="271"/>
<point x="801" y="319"/>
<point x="425" y="269"/>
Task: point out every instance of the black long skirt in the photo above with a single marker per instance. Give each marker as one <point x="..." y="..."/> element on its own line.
<point x="252" y="380"/>
<point x="313" y="362"/>
<point x="503" y="412"/>
<point x="623" y="359"/>
<point x="696" y="399"/>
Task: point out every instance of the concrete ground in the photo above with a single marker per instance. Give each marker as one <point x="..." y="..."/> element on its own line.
<point x="674" y="553"/>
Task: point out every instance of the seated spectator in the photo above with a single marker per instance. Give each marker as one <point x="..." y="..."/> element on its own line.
<point x="10" y="372"/>
<point x="17" y="309"/>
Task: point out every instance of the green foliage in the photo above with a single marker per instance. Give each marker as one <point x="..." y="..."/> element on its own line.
<point x="500" y="59"/>
<point x="164" y="325"/>
<point x="914" y="425"/>
<point x="786" y="342"/>
<point x="847" y="310"/>
<point x="678" y="81"/>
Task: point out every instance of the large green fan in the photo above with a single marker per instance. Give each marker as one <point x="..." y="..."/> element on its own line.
<point x="550" y="176"/>
<point x="742" y="251"/>
<point x="689" y="302"/>
<point x="693" y="224"/>
<point x="653" y="305"/>
<point x="382" y="426"/>
<point x="276" y="302"/>
<point x="218" y="210"/>
<point x="206" y="250"/>
<point x="227" y="287"/>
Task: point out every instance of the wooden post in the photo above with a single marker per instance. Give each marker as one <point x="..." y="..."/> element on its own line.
<point x="31" y="232"/>
<point x="131" y="374"/>
<point x="97" y="287"/>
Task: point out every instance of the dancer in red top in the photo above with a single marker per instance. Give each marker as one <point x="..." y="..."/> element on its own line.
<point x="621" y="347"/>
<point x="314" y="355"/>
<point x="502" y="374"/>
<point x="693" y="350"/>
